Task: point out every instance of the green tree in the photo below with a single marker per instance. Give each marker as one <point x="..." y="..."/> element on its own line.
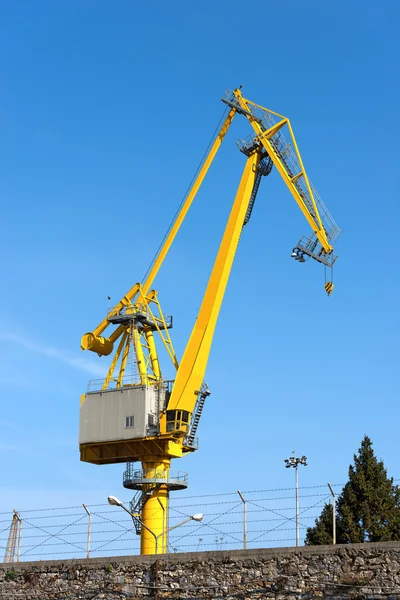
<point x="322" y="532"/>
<point x="368" y="509"/>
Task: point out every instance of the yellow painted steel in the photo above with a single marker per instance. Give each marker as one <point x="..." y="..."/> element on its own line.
<point x="163" y="333"/>
<point x="140" y="359"/>
<point x="98" y="344"/>
<point x="264" y="137"/>
<point x="138" y="449"/>
<point x="155" y="365"/>
<point x="194" y="361"/>
<point x="154" y="537"/>
<point x="188" y="202"/>
<point x="132" y="293"/>
<point x="115" y="361"/>
<point x="143" y="344"/>
<point x="123" y="362"/>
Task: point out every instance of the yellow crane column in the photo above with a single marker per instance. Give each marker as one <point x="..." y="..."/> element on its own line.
<point x="154" y="536"/>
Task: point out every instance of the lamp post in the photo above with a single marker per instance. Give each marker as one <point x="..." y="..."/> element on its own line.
<point x="89" y="530"/>
<point x="116" y="502"/>
<point x="244" y="519"/>
<point x="19" y="536"/>
<point x="295" y="462"/>
<point x="334" y="513"/>
<point x="163" y="526"/>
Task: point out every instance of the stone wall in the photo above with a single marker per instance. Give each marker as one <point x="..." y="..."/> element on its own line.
<point x="355" y="572"/>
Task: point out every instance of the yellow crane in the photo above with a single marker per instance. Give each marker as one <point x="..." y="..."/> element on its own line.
<point x="141" y="416"/>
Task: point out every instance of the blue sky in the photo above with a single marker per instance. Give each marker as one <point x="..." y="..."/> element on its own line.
<point x="106" y="110"/>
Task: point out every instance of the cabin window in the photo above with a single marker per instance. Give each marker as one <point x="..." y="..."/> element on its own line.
<point x="171" y="415"/>
<point x="130" y="421"/>
<point x="177" y="420"/>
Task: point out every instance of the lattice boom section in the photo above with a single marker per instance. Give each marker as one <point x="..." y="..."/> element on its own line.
<point x="290" y="159"/>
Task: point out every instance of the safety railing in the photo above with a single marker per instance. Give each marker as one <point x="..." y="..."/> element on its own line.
<point x="138" y="478"/>
<point x="96" y="385"/>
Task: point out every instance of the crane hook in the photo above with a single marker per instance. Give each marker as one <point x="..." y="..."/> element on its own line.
<point x="329" y="284"/>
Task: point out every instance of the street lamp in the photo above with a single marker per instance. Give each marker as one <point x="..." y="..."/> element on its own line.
<point x="295" y="462"/>
<point x="89" y="529"/>
<point x="244" y="519"/>
<point x="114" y="501"/>
<point x="298" y="255"/>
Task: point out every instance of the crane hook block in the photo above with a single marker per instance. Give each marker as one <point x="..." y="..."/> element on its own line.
<point x="102" y="346"/>
<point x="329" y="287"/>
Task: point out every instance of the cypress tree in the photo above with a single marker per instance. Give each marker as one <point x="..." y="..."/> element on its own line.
<point x="368" y="509"/>
<point x="322" y="532"/>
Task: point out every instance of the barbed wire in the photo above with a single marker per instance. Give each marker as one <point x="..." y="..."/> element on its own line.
<point x="184" y="498"/>
<point x="104" y="531"/>
<point x="258" y="538"/>
<point x="118" y="522"/>
<point x="51" y="535"/>
<point x="218" y="503"/>
<point x="63" y="528"/>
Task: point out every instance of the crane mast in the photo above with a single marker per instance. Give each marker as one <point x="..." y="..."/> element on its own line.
<point x="142" y="416"/>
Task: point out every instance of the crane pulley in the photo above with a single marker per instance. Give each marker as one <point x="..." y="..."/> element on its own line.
<point x="149" y="418"/>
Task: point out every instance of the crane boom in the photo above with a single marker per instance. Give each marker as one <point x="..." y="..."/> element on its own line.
<point x="91" y="341"/>
<point x="191" y="373"/>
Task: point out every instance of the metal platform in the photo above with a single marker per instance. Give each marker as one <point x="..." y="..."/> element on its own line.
<point x="139" y="479"/>
<point x="312" y="248"/>
<point x="190" y="443"/>
<point x="142" y="319"/>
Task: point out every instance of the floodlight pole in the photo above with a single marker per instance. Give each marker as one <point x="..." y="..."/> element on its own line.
<point x="19" y="535"/>
<point x="295" y="462"/>
<point x="334" y="513"/>
<point x="297" y="506"/>
<point x="244" y="519"/>
<point x="163" y="549"/>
